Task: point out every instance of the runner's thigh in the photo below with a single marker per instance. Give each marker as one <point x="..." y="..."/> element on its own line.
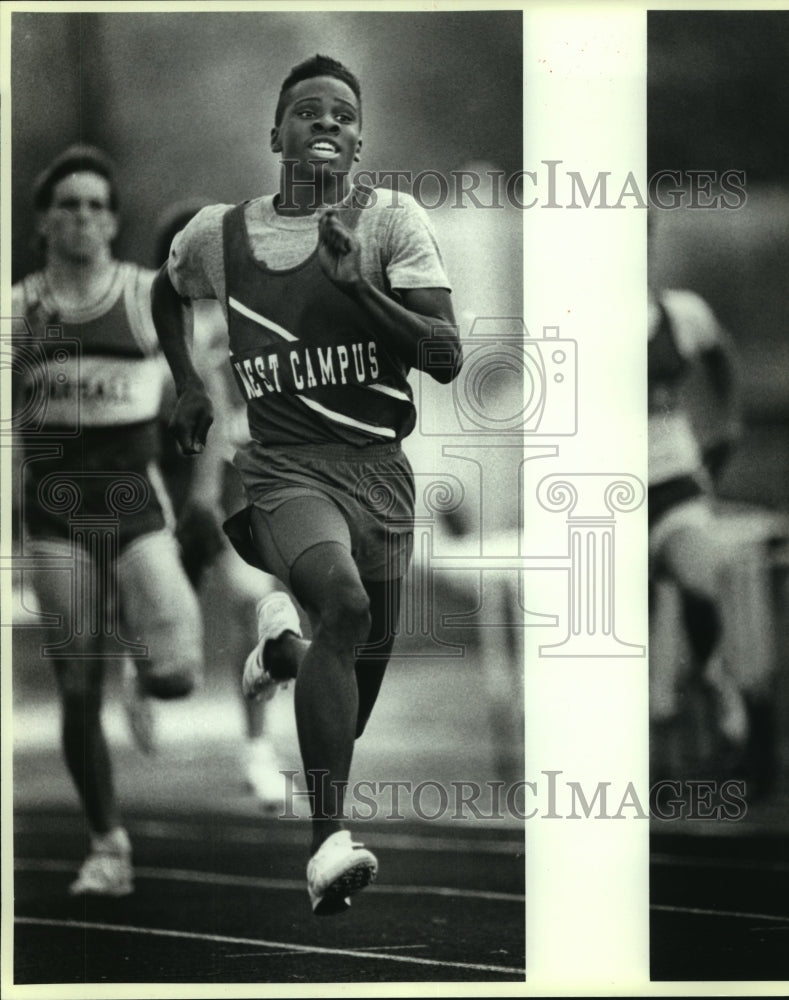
<point x="158" y="606"/>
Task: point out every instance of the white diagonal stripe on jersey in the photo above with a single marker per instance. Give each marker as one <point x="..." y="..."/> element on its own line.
<point x="341" y="418"/>
<point x="387" y="390"/>
<point x="257" y="318"/>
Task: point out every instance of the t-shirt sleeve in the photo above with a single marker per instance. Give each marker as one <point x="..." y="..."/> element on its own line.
<point x="411" y="256"/>
<point x="695" y="324"/>
<point x="196" y="262"/>
<point x="19" y="308"/>
<point x="28" y="311"/>
<point x="18" y="300"/>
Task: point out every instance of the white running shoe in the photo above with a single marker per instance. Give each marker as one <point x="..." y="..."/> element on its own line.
<point x="338" y="869"/>
<point x="276" y="615"/>
<point x="107" y="870"/>
<point x="262" y="769"/>
<point x="138" y="709"/>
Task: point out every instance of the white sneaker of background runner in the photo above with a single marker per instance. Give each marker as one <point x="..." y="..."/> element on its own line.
<point x="276" y="615"/>
<point x="107" y="870"/>
<point x="262" y="769"/>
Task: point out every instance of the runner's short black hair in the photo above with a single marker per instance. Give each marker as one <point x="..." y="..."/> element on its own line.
<point x="71" y="160"/>
<point x="317" y="66"/>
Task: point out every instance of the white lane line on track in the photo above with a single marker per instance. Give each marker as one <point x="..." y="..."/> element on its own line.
<point x="394" y="947"/>
<point x="285" y="946"/>
<point x="733" y="864"/>
<point x="698" y="911"/>
<point x="278" y="834"/>
<point x="284" y="954"/>
<point x="281" y="884"/>
<point x="382" y="948"/>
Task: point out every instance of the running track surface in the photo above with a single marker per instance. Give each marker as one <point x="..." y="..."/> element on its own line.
<point x="720" y="907"/>
<point x="220" y="893"/>
<point x="220" y="890"/>
<point x="223" y="899"/>
<point x="220" y="898"/>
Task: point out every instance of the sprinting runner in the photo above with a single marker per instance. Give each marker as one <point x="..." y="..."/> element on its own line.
<point x="332" y="295"/>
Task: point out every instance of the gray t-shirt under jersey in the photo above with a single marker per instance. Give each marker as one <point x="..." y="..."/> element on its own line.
<point x="398" y="247"/>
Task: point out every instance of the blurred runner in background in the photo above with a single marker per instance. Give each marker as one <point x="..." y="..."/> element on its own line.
<point x="693" y="423"/>
<point x="205" y="492"/>
<point x="89" y="369"/>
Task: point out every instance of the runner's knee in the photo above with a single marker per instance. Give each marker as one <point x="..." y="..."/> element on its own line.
<point x="177" y="683"/>
<point x="345" y="616"/>
<point x="175" y="665"/>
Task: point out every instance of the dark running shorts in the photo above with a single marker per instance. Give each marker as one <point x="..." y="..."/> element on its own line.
<point x="362" y="498"/>
<point x="666" y="496"/>
<point x="61" y="500"/>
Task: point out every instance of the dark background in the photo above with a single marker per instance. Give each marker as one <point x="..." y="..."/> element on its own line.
<point x="719" y="90"/>
<point x="184" y="102"/>
<point x="718" y="93"/>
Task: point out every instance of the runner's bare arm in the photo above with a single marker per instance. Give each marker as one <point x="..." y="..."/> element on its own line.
<point x="194" y="412"/>
<point x="422" y="330"/>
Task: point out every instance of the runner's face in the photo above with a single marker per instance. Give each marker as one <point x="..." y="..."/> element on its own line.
<point x="79" y="225"/>
<point x="320" y="126"/>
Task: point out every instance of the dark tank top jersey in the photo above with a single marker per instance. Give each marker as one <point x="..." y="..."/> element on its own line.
<point x="305" y="357"/>
<point x="100" y="379"/>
